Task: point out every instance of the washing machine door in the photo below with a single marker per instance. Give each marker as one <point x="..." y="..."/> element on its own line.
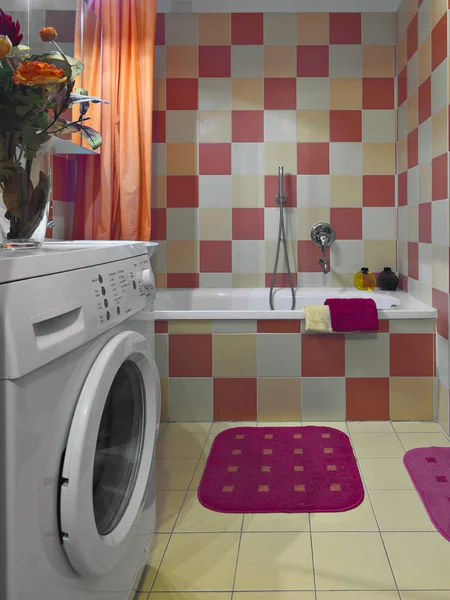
<point x="109" y="455"/>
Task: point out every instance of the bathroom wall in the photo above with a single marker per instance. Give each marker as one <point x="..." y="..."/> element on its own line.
<point x="64" y="171"/>
<point x="236" y="95"/>
<point x="423" y="134"/>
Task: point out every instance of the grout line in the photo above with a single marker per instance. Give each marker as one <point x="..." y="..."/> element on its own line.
<point x="237" y="557"/>
<point x="312" y="556"/>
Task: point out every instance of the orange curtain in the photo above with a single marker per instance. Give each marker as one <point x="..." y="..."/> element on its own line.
<point x="114" y="189"/>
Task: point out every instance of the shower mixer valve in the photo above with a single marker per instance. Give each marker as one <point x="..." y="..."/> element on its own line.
<point x="323" y="235"/>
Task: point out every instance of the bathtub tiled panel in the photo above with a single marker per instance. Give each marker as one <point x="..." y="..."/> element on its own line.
<point x="241" y="94"/>
<point x="271" y="371"/>
<point x="422" y="166"/>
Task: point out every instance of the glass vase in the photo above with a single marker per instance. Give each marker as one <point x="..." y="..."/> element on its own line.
<point x="25" y="187"/>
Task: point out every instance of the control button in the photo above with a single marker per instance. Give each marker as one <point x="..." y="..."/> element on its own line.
<point x="148" y="279"/>
<point x="103" y="291"/>
<point x="118" y="310"/>
<point x="105" y="302"/>
<point x="108" y="315"/>
<point x="134" y="284"/>
<point x="100" y="279"/>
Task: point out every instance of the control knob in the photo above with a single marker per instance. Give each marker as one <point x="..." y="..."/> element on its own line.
<point x="148" y="279"/>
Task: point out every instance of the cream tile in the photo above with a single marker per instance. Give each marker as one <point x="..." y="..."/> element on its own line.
<point x="220" y="426"/>
<point x="422" y="440"/>
<point x="273" y="596"/>
<point x="198" y="561"/>
<point x="376" y="445"/>
<point x="341" y="425"/>
<point x="400" y="510"/>
<point x="415" y="427"/>
<point x="182" y="445"/>
<point x="424" y="595"/>
<point x="208" y="445"/>
<point x="279" y="424"/>
<point x="168" y="504"/>
<point x="351" y="561"/>
<point x="174" y="474"/>
<point x="188" y="428"/>
<point x="158" y="547"/>
<point x="234" y="355"/>
<point x="196" y="518"/>
<point x="198" y="474"/>
<point x="360" y="518"/>
<point x="370" y="427"/>
<point x="357" y="596"/>
<point x="385" y="473"/>
<point x="276" y="522"/>
<point x="275" y="561"/>
<point x="192" y="596"/>
<point x="419" y="560"/>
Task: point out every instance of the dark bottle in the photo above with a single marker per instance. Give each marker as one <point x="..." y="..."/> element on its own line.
<point x="387" y="280"/>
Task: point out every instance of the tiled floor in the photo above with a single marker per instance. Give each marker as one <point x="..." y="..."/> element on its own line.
<point x="386" y="549"/>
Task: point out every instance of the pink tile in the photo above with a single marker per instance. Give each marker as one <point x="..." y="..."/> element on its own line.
<point x="247" y="29"/>
<point x="413" y="148"/>
<point x="247" y="125"/>
<point x="412" y="37"/>
<point x="161" y="326"/>
<point x="345" y="28"/>
<point x="425" y="223"/>
<point x="313" y="158"/>
<point x="402" y="86"/>
<point x="379" y="190"/>
<point x="308" y="257"/>
<point x="159" y="127"/>
<point x="215" y="257"/>
<point x="413" y="260"/>
<point x="425" y="100"/>
<point x="378" y="93"/>
<point x="190" y="355"/>
<point x="403" y="189"/>
<point x="248" y="223"/>
<point x="215" y="159"/>
<point x="160" y="31"/>
<point x="182" y="191"/>
<point x="313" y="61"/>
<point x="278" y="326"/>
<point x="439" y="43"/>
<point x="280" y="93"/>
<point x="183" y="280"/>
<point x="158" y="224"/>
<point x="347" y="222"/>
<point x="439" y="177"/>
<point x="271" y="190"/>
<point x="214" y="61"/>
<point x="345" y="126"/>
<point x="412" y="354"/>
<point x="440" y="303"/>
<point x="182" y="94"/>
<point x="403" y="285"/>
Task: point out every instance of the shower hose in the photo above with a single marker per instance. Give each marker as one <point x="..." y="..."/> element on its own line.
<point x="281" y="199"/>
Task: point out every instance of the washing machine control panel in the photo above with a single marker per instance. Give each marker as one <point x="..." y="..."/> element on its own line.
<point x="121" y="289"/>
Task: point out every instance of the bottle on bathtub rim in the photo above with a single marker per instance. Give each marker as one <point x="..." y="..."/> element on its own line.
<point x="364" y="280"/>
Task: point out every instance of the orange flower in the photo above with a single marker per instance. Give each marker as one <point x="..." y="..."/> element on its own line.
<point x="5" y="46"/>
<point x="34" y="72"/>
<point x="48" y="34"/>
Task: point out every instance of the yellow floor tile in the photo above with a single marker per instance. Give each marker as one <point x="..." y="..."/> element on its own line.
<point x="198" y="562"/>
<point x="341" y="425"/>
<point x="274" y="596"/>
<point x="181" y="445"/>
<point x="141" y="596"/>
<point x="420" y="561"/>
<point x="376" y="445"/>
<point x="190" y="596"/>
<point x="360" y="518"/>
<point x="198" y="474"/>
<point x="357" y="596"/>
<point x="370" y="427"/>
<point x="174" y="473"/>
<point x="162" y="428"/>
<point x="422" y="595"/>
<point x="275" y="561"/>
<point x="351" y="561"/>
<point x="196" y="518"/>
<point x="423" y="440"/>
<point x="400" y="510"/>
<point x="276" y="522"/>
<point x="168" y="504"/>
<point x="207" y="448"/>
<point x="415" y="427"/>
<point x="220" y="426"/>
<point x="159" y="545"/>
<point x="385" y="473"/>
<point x="188" y="427"/>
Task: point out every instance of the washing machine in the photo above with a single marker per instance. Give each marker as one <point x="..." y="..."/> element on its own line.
<point x="79" y="418"/>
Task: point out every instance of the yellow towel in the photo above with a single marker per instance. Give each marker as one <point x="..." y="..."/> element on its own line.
<point x="318" y="319"/>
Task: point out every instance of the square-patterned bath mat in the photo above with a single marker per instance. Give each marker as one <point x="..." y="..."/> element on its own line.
<point x="281" y="469"/>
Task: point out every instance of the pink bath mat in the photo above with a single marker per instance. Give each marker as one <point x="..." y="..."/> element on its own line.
<point x="281" y="470"/>
<point x="429" y="469"/>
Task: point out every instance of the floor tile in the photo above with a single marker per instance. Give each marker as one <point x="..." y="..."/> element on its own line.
<point x="273" y="596"/>
<point x="369" y="427"/>
<point x="188" y="427"/>
<point x="174" y="473"/>
<point x="357" y="595"/>
<point x="360" y="518"/>
<point x="198" y="561"/>
<point x="415" y="427"/>
<point x="190" y="596"/>
<point x="182" y="445"/>
<point x="385" y="473"/>
<point x="351" y="561"/>
<point x="220" y="426"/>
<point x="159" y="545"/>
<point x="341" y="425"/>
<point x="420" y="561"/>
<point x="400" y="510"/>
<point x="198" y="474"/>
<point x="141" y="596"/>
<point x="162" y="428"/>
<point x="376" y="445"/>
<point x="279" y="424"/>
<point x="168" y="504"/>
<point x="207" y="447"/>
<point x="276" y="522"/>
<point x="422" y="440"/>
<point x="425" y="595"/>
<point x="196" y="518"/>
<point x="275" y="561"/>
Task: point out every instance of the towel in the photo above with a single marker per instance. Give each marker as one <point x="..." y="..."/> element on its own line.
<point x="317" y="319"/>
<point x="353" y="314"/>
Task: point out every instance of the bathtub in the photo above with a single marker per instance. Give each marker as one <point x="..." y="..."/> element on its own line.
<point x="253" y="303"/>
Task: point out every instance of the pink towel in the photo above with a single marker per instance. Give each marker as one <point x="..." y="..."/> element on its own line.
<point x="353" y="314"/>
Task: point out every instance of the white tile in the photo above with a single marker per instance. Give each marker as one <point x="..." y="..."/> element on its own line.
<point x="248" y="256"/>
<point x="367" y="356"/>
<point x="313" y="280"/>
<point x="247" y="159"/>
<point x="385" y="473"/>
<point x="280" y="29"/>
<point x="403" y="224"/>
<point x="346" y="256"/>
<point x="425" y="142"/>
<point x="413" y="223"/>
<point x="379" y="29"/>
<point x="160" y="62"/>
<point x="400" y="510"/>
<point x="424" y="21"/>
<point x="214" y="93"/>
<point x="158" y="159"/>
<point x="216" y="280"/>
<point x="215" y="191"/>
<point x="247" y="61"/>
<point x="412" y="326"/>
<point x="272" y="221"/>
<point x="313" y="93"/>
<point x="159" y="258"/>
<point x="413" y="185"/>
<point x="190" y="399"/>
<point x="377" y="445"/>
<point x="346" y="61"/>
<point x="360" y="518"/>
<point x="323" y="398"/>
<point x="423" y="440"/>
<point x="181" y="29"/>
<point x="379" y="126"/>
<point x="279" y="355"/>
<point x="416" y="427"/>
<point x="379" y="223"/>
<point x="182" y="223"/>
<point x="402" y="121"/>
<point x="346" y="158"/>
<point x="313" y="191"/>
<point x="439" y="223"/>
<point x="425" y="264"/>
<point x="413" y="74"/>
<point x="442" y="359"/>
<point x="230" y="326"/>
<point x="162" y="354"/>
<point x="402" y="256"/>
<point x="370" y="427"/>
<point x="280" y="126"/>
<point x="439" y="93"/>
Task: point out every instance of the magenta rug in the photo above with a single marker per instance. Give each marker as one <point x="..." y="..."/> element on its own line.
<point x="429" y="469"/>
<point x="281" y="469"/>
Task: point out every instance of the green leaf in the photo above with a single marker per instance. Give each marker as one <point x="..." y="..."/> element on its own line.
<point x="93" y="138"/>
<point x="72" y="67"/>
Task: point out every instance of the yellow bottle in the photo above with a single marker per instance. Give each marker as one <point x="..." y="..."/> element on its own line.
<point x="364" y="280"/>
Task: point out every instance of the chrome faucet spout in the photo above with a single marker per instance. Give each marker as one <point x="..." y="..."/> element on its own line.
<point x="323" y="262"/>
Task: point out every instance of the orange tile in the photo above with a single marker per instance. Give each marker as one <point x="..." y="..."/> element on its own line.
<point x="378" y="61"/>
<point x="190" y="355"/>
<point x="412" y="354"/>
<point x="287" y="393"/>
<point x="412" y="398"/>
<point x="413" y="111"/>
<point x="214" y="29"/>
<point x="247" y="94"/>
<point x="440" y="132"/>
<point x="159" y="94"/>
<point x="313" y="29"/>
<point x="182" y="61"/>
<point x="323" y="356"/>
<point x="278" y="326"/>
<point x="345" y="94"/>
<point x="439" y="43"/>
<point x="379" y="159"/>
<point x="181" y="159"/>
<point x="161" y="280"/>
<point x="182" y="256"/>
<point x="367" y="398"/>
<point x="235" y="399"/>
<point x="280" y="61"/>
<point x="313" y="126"/>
